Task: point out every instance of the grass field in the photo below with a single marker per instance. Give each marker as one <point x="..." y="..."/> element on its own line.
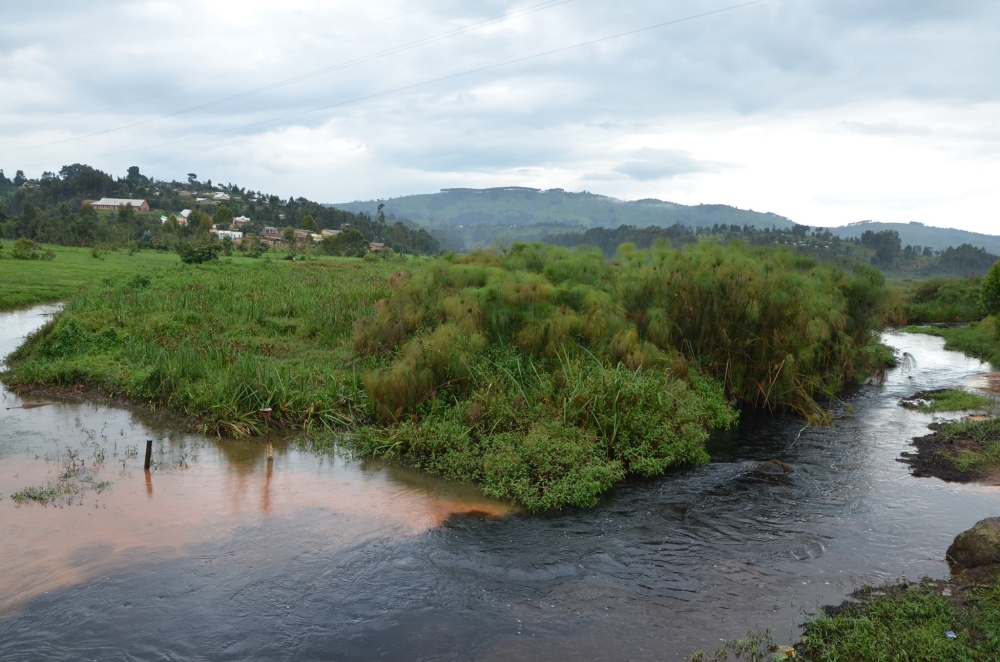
<point x="218" y="341"/>
<point x="31" y="282"/>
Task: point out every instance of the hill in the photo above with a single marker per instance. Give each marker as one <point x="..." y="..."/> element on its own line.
<point x="517" y="206"/>
<point x="918" y="234"/>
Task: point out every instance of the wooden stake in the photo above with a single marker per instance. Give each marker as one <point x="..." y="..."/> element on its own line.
<point x="149" y="454"/>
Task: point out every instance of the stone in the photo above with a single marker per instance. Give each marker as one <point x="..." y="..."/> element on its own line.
<point x="977" y="547"/>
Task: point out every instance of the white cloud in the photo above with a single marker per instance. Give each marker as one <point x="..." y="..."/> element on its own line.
<point x="827" y="111"/>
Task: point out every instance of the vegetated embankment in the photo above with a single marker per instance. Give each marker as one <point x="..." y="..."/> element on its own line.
<point x="543" y="374"/>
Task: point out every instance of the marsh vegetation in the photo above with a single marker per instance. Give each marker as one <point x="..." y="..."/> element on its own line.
<point x="544" y="374"/>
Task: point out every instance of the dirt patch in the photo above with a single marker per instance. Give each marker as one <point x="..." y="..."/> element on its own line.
<point x="992" y="383"/>
<point x="936" y="458"/>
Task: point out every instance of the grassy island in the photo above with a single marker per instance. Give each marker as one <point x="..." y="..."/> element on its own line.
<point x="541" y="373"/>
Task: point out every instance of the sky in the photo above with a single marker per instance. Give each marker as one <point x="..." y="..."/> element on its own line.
<point x="825" y="111"/>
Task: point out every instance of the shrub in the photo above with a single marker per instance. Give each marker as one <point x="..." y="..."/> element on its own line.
<point x="25" y="249"/>
<point x="775" y="328"/>
<point x="989" y="295"/>
<point x="198" y="254"/>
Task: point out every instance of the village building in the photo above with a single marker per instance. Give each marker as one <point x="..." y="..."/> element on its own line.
<point x="237" y="237"/>
<point x="329" y="233"/>
<point x="376" y="246"/>
<point x="111" y="204"/>
<point x="240" y="221"/>
<point x="270" y="236"/>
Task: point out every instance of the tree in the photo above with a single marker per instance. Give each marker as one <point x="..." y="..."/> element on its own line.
<point x="19" y="178"/>
<point x="349" y="243"/>
<point x="989" y="294"/>
<point x="171" y="226"/>
<point x="309" y="223"/>
<point x="223" y="216"/>
<point x="199" y="222"/>
<point x="381" y="213"/>
<point x="289" y="234"/>
<point x="192" y="178"/>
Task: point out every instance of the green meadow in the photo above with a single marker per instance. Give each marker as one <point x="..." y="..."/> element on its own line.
<point x="31" y="282"/>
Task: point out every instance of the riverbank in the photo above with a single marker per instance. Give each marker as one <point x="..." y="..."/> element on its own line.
<point x="978" y="339"/>
<point x="930" y="620"/>
<point x="962" y="451"/>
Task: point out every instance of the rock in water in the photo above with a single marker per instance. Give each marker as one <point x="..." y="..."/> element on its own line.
<point x="977" y="547"/>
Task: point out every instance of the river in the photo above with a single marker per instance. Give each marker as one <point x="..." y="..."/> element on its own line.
<point x="218" y="554"/>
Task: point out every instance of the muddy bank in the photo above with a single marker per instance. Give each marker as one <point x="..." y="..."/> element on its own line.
<point x="939" y="457"/>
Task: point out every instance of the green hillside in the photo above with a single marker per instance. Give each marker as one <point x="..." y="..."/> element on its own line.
<point x="918" y="234"/>
<point x="523" y="206"/>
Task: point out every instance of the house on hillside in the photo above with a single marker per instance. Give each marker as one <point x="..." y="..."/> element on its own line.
<point x="237" y="237"/>
<point x="329" y="233"/>
<point x="111" y="204"/>
<point x="240" y="221"/>
<point x="182" y="217"/>
<point x="376" y="246"/>
<point x="270" y="236"/>
<point x="222" y="197"/>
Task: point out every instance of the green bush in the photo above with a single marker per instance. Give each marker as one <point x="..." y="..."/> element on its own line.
<point x="349" y="243"/>
<point x="198" y="254"/>
<point x="24" y="249"/>
<point x="775" y="328"/>
<point x="989" y="295"/>
<point x="551" y="435"/>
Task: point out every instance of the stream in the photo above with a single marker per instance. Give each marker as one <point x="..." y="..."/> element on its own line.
<point x="217" y="554"/>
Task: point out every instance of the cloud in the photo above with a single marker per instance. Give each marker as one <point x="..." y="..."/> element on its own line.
<point x="834" y="110"/>
<point x="651" y="164"/>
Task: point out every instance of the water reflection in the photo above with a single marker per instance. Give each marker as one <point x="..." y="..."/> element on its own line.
<point x="230" y="556"/>
<point x="204" y="490"/>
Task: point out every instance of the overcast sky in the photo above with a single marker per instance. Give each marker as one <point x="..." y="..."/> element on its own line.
<point x="825" y="111"/>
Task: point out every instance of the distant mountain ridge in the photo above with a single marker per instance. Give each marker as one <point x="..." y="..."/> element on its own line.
<point x="918" y="234"/>
<point x="516" y="205"/>
<point x="522" y="206"/>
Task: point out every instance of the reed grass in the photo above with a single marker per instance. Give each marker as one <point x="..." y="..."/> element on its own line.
<point x="776" y="329"/>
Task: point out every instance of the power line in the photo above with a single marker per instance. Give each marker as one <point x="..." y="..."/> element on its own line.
<point x="288" y="81"/>
<point x="403" y="88"/>
<point x="250" y="65"/>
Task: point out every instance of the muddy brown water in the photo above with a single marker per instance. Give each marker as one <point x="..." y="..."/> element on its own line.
<point x="218" y="555"/>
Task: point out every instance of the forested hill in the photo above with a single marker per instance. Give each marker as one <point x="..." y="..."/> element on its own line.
<point x="51" y="210"/>
<point x="918" y="234"/>
<point x="525" y="206"/>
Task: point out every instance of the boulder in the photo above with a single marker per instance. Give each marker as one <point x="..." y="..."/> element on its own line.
<point x="977" y="547"/>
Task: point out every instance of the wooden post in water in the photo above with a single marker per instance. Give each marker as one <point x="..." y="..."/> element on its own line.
<point x="266" y="413"/>
<point x="149" y="454"/>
